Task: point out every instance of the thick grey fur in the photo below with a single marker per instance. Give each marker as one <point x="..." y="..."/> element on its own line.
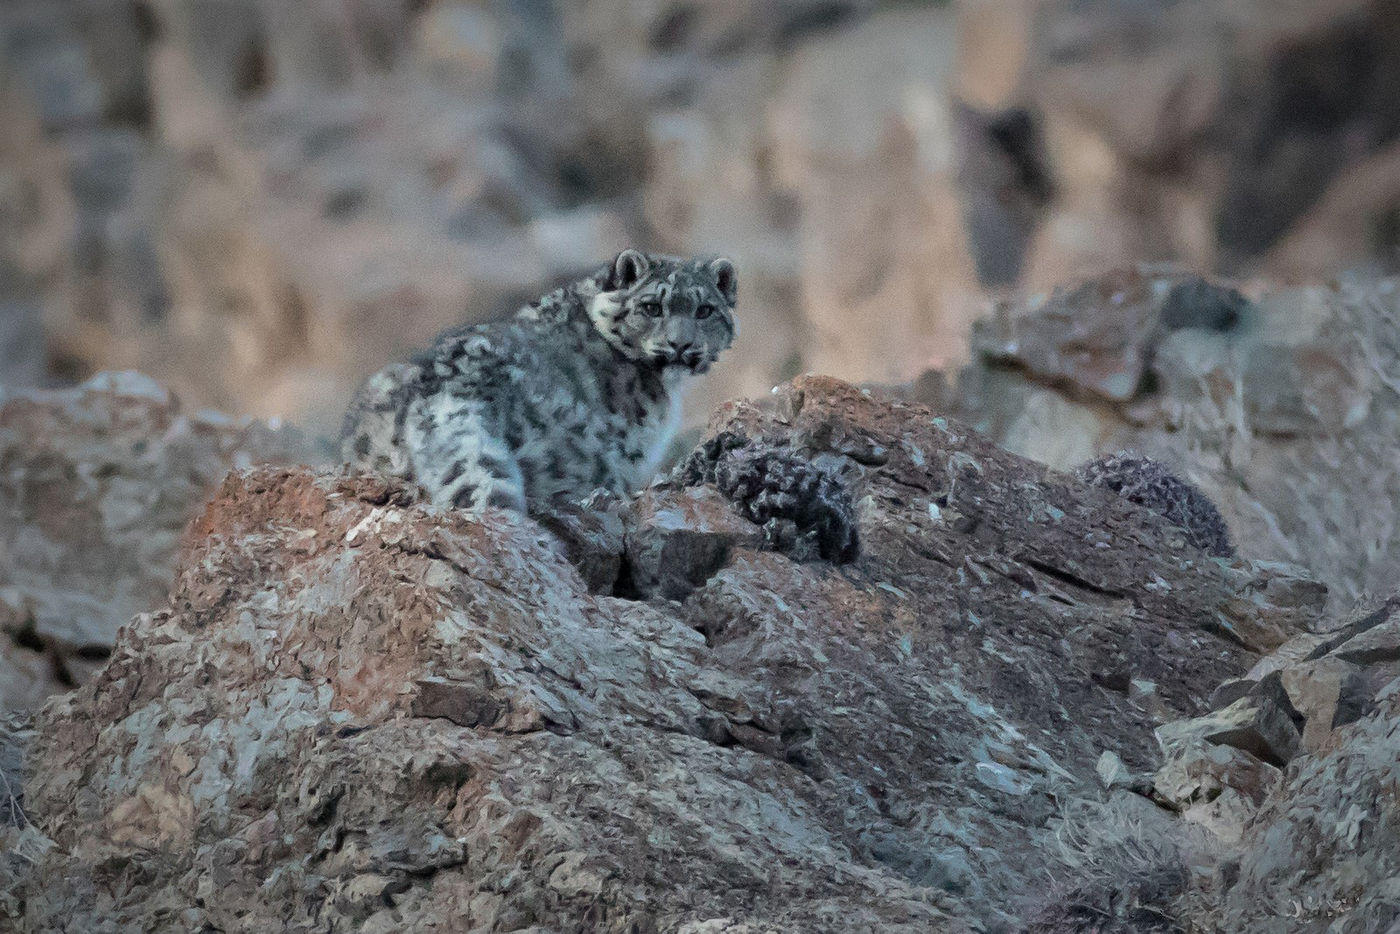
<point x="1151" y="483"/>
<point x="578" y="391"/>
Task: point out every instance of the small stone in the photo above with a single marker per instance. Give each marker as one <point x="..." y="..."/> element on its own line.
<point x="1140" y="689"/>
<point x="1002" y="778"/>
<point x="1111" y="770"/>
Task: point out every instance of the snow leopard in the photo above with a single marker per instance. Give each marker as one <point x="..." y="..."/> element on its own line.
<point x="580" y="391"/>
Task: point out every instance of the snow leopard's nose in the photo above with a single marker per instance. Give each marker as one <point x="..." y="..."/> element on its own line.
<point x="678" y="350"/>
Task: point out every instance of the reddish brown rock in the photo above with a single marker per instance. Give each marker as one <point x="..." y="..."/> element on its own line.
<point x="377" y="715"/>
<point x="678" y="539"/>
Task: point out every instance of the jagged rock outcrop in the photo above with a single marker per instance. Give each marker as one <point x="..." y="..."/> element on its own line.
<point x="1282" y="407"/>
<point x="1316" y="846"/>
<point x="96" y="484"/>
<point x="359" y="712"/>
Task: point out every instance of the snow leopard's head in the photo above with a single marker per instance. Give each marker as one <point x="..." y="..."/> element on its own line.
<point x="665" y="310"/>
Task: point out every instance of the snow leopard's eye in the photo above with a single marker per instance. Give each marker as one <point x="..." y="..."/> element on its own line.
<point x="650" y="309"/>
<point x="703" y="312"/>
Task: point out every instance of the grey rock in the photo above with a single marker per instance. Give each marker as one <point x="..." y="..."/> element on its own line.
<point x="1259" y="724"/>
<point x="1328" y="693"/>
<point x="96" y="485"/>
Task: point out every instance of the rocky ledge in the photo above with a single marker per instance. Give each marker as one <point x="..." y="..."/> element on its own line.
<point x="96" y="484"/>
<point x="853" y="668"/>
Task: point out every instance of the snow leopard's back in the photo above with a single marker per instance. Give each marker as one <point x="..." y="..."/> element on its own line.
<point x="549" y="402"/>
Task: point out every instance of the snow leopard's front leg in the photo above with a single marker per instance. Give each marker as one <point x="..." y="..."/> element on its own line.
<point x="459" y="460"/>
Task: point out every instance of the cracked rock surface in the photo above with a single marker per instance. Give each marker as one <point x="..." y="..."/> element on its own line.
<point x="359" y="712"/>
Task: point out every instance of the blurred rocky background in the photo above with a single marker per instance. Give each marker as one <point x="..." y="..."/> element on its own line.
<point x="1022" y="703"/>
<point x="257" y="203"/>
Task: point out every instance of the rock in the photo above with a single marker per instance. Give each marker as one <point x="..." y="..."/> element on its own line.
<point x="592" y="535"/>
<point x="1274" y="602"/>
<point x="863" y="131"/>
<point x="1328" y="692"/>
<point x="15" y="735"/>
<point x="1365" y="620"/>
<point x="1167" y="140"/>
<point x="1261" y="724"/>
<point x="1322" y="850"/>
<point x="1279" y="419"/>
<point x="1097" y="336"/>
<point x="1339" y="230"/>
<point x="1226" y="816"/>
<point x="96" y="484"/>
<point x="1379" y="644"/>
<point x="260" y="203"/>
<point x="1230" y="691"/>
<point x="678" y="541"/>
<point x="1291" y="652"/>
<point x="1217" y="787"/>
<point x="796" y="744"/>
<point x="1111" y="770"/>
<point x="22" y="351"/>
<point x="1200" y="772"/>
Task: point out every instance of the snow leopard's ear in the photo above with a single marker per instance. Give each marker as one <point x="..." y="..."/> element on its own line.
<point x="627" y="270"/>
<point x="726" y="278"/>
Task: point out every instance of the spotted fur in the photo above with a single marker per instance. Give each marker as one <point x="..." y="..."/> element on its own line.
<point x="579" y="391"/>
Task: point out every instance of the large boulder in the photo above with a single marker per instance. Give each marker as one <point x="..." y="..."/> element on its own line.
<point x="96" y="485"/>
<point x="360" y="712"/>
